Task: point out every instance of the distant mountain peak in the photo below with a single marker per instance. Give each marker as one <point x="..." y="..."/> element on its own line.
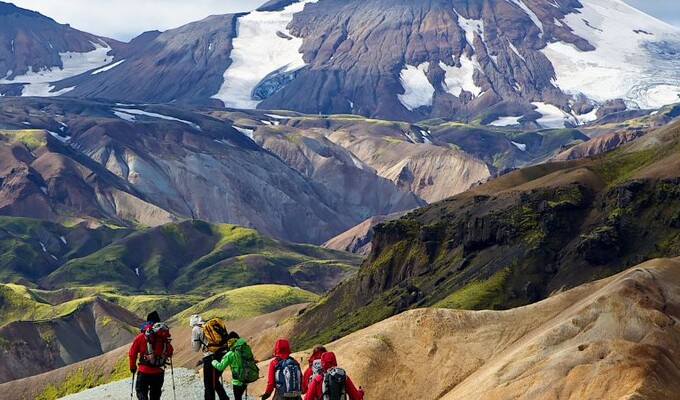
<point x="10" y="9"/>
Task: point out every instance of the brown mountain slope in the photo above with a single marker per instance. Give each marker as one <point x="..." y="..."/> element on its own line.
<point x="95" y="326"/>
<point x="610" y="339"/>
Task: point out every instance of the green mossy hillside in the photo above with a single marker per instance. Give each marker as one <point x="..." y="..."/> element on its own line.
<point x="200" y="258"/>
<point x="246" y="302"/>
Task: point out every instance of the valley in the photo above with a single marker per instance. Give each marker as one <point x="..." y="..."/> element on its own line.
<point x="490" y="187"/>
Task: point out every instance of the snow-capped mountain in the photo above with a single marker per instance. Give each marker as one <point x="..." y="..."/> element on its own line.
<point x="542" y="63"/>
<point x="36" y="51"/>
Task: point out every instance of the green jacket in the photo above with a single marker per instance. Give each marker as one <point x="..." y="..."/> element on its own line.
<point x="228" y="360"/>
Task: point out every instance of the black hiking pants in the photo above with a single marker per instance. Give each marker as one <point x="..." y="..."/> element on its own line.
<point x="211" y="379"/>
<point x="149" y="386"/>
<point x="239" y="391"/>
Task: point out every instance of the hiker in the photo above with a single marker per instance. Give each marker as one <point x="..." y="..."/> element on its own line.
<point x="314" y="367"/>
<point x="244" y="368"/>
<point x="284" y="374"/>
<point x="151" y="319"/>
<point x="333" y="383"/>
<point x="151" y="350"/>
<point x="199" y="341"/>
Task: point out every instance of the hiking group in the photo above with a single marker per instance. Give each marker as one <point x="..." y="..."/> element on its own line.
<point x="151" y="352"/>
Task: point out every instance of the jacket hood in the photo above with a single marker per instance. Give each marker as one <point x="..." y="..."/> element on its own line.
<point x="316" y="355"/>
<point x="282" y="348"/>
<point x="328" y="360"/>
<point x="196" y="320"/>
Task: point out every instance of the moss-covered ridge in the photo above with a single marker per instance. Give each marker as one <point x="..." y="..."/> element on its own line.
<point x="197" y="257"/>
<point x="517" y="239"/>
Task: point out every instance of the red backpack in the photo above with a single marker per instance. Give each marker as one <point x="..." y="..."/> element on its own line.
<point x="157" y="339"/>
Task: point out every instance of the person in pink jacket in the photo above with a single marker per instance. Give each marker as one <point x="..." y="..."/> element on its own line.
<point x="315" y="388"/>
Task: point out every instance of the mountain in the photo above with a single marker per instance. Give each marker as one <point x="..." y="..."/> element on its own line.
<point x="36" y="52"/>
<point x="516" y="239"/>
<point x="534" y="63"/>
<point x="75" y="160"/>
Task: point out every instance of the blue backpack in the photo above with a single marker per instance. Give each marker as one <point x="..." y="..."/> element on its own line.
<point x="288" y="378"/>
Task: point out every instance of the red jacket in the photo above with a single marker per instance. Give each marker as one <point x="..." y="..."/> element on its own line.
<point x="308" y="372"/>
<point x="314" y="391"/>
<point x="281" y="351"/>
<point x="138" y="350"/>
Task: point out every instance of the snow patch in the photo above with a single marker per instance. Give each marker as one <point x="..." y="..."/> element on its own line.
<point x="125" y="116"/>
<point x="470" y="27"/>
<point x="43" y="189"/>
<point x="275" y="116"/>
<point x="108" y="67"/>
<point x="257" y="51"/>
<point x="137" y="271"/>
<point x="531" y="14"/>
<point x="553" y="117"/>
<point x="458" y="79"/>
<point x="506" y="121"/>
<point x="43" y="247"/>
<point x="245" y="131"/>
<point x="40" y="83"/>
<point x="418" y="91"/>
<point x="520" y="146"/>
<point x="63" y="239"/>
<point x="63" y="139"/>
<point x="641" y="69"/>
<point x="514" y="50"/>
<point x="129" y="114"/>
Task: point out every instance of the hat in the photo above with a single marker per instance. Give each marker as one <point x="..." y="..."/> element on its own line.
<point x="153" y="317"/>
<point x="196" y="320"/>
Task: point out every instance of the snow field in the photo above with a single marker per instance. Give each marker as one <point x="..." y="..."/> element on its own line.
<point x="258" y="50"/>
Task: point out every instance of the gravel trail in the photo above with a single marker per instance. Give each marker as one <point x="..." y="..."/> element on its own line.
<point x="188" y="386"/>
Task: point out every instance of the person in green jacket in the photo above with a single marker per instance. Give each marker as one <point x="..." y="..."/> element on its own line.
<point x="229" y="360"/>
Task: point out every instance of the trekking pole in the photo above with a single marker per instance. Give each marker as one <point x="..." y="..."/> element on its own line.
<point x="132" y="386"/>
<point x="172" y="374"/>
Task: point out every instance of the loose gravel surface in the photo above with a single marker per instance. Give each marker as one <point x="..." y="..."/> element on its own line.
<point x="188" y="386"/>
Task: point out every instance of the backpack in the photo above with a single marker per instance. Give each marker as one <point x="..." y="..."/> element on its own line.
<point x="334" y="384"/>
<point x="244" y="368"/>
<point x="316" y="369"/>
<point x="288" y="378"/>
<point x="216" y="335"/>
<point x="157" y="340"/>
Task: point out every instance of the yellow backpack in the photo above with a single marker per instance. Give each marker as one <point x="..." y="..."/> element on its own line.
<point x="216" y="335"/>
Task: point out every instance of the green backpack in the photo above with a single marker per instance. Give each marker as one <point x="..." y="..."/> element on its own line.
<point x="244" y="367"/>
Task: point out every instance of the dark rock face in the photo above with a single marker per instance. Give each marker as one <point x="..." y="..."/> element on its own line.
<point x="184" y="64"/>
<point x="357" y="50"/>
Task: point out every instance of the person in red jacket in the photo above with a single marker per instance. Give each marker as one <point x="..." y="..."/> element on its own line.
<point x="149" y="377"/>
<point x="317" y="351"/>
<point x="281" y="353"/>
<point x="315" y="389"/>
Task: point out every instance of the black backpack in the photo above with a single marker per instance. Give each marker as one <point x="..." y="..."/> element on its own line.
<point x="334" y="384"/>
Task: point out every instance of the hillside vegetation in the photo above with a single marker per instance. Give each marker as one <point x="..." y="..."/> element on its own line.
<point x="516" y="239"/>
